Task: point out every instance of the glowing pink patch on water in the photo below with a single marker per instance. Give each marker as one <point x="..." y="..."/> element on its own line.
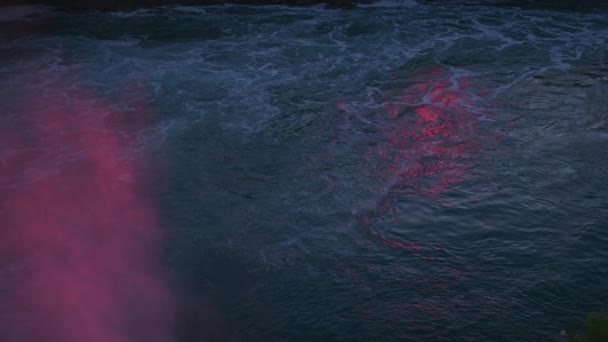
<point x="430" y="142"/>
<point x="427" y="150"/>
<point x="80" y="239"/>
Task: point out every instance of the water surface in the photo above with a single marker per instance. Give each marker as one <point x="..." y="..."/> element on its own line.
<point x="408" y="172"/>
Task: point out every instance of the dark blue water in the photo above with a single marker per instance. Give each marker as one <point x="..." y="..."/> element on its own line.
<point x="397" y="172"/>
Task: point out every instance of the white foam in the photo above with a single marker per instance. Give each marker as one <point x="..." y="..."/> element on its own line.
<point x="124" y="42"/>
<point x="189" y="9"/>
<point x="140" y="12"/>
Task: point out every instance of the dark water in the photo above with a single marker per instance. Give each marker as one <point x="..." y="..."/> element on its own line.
<point x="411" y="172"/>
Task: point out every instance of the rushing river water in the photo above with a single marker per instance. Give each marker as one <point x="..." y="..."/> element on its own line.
<point x="407" y="172"/>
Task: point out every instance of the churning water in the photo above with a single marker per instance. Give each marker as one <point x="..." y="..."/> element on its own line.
<point x="397" y="172"/>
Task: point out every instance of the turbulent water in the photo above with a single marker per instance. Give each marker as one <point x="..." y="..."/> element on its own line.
<point x="390" y="172"/>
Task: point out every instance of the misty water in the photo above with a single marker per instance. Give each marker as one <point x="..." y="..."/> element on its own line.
<point x="396" y="172"/>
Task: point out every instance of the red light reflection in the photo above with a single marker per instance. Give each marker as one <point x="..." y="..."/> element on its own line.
<point x="429" y="142"/>
<point x="428" y="151"/>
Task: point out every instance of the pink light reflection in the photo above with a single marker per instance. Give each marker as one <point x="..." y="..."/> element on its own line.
<point x="430" y="141"/>
<point x="431" y="150"/>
